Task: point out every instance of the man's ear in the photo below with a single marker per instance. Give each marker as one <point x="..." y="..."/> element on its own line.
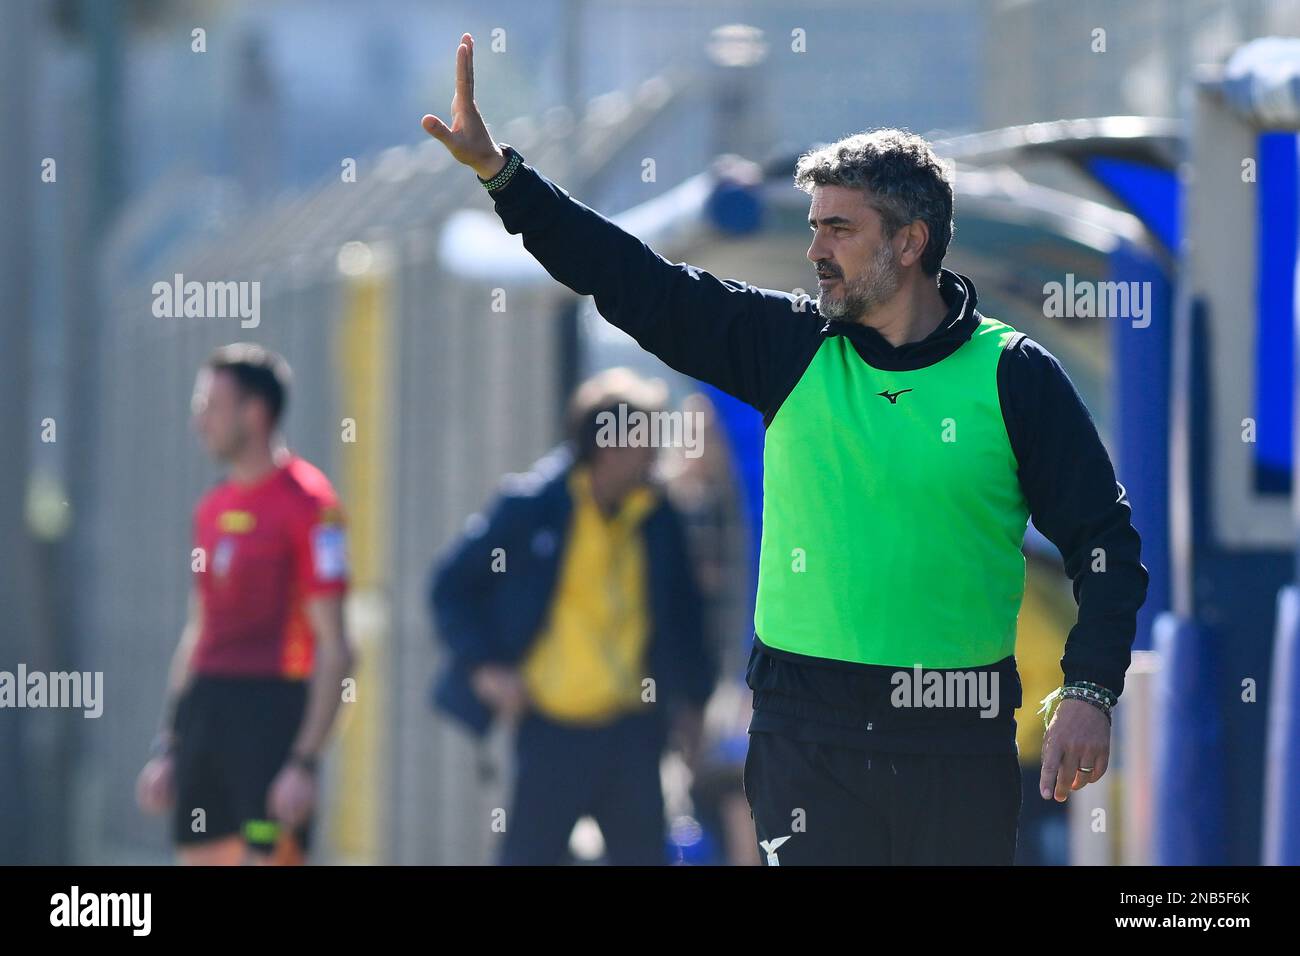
<point x="918" y="237"/>
<point x="261" y="414"/>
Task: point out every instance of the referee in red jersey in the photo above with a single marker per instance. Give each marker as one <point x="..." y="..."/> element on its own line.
<point x="255" y="680"/>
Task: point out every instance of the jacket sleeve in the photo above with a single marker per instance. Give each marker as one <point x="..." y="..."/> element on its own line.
<point x="1075" y="501"/>
<point x="461" y="589"/>
<point x="744" y="340"/>
<point x="688" y="660"/>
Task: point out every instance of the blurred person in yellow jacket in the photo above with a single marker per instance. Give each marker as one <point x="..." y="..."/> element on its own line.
<point x="571" y="608"/>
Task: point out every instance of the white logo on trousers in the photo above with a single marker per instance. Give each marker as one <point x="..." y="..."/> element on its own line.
<point x="770" y="848"/>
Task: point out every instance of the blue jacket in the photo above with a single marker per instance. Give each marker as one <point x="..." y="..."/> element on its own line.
<point x="486" y="617"/>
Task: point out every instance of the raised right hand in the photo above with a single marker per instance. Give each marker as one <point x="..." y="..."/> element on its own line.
<point x="467" y="139"/>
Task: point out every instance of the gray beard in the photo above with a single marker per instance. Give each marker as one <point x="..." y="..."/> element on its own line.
<point x="867" y="293"/>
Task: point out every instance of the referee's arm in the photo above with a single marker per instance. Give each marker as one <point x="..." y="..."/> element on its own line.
<point x="178" y="674"/>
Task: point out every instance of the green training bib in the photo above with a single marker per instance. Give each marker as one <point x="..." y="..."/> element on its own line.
<point x="892" y="513"/>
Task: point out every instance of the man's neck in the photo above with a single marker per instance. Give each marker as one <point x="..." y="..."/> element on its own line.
<point x="916" y="310"/>
<point x="253" y="464"/>
<point x="608" y="498"/>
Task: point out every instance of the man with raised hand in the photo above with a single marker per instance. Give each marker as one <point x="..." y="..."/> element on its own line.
<point x="909" y="440"/>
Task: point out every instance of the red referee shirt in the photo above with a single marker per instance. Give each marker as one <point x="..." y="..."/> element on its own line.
<point x="267" y="548"/>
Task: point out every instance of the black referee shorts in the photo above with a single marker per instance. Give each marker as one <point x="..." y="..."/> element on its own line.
<point x="818" y="804"/>
<point x="233" y="735"/>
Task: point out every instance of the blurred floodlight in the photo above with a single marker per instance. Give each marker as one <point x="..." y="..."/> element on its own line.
<point x="48" y="513"/>
<point x="737" y="44"/>
<point x="355" y="258"/>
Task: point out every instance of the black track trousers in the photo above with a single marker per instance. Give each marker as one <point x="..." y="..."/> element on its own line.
<point x="819" y="804"/>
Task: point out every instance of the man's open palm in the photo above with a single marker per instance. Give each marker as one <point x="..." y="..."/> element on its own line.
<point x="467" y="139"/>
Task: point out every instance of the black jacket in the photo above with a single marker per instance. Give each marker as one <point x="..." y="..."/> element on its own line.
<point x="755" y="344"/>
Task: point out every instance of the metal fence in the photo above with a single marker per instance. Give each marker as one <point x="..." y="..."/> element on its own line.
<point x="443" y="395"/>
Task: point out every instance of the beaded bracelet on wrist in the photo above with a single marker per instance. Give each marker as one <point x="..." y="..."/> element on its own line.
<point x="1103" y="692"/>
<point x="505" y="175"/>
<point x="1094" y="694"/>
<point x="1080" y="693"/>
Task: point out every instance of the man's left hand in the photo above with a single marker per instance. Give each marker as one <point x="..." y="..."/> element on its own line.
<point x="1076" y="749"/>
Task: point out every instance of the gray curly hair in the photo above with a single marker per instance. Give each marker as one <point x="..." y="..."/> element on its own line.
<point x="901" y="175"/>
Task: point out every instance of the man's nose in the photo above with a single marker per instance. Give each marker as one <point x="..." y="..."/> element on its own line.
<point x="816" y="253"/>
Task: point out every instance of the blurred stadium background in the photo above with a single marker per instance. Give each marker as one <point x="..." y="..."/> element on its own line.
<point x="1107" y="156"/>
